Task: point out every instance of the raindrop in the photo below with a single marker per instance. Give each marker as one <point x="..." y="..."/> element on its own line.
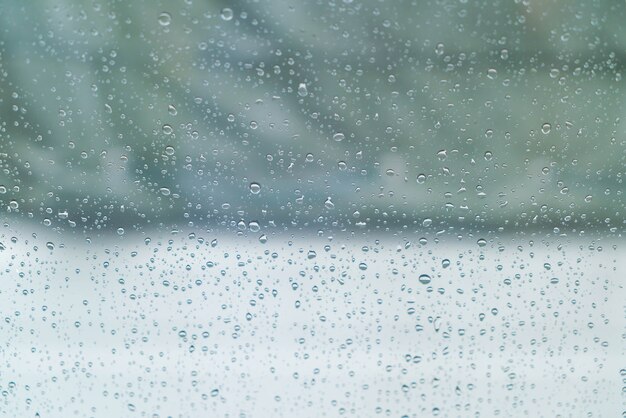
<point x="167" y="129"/>
<point x="255" y="188"/>
<point x="226" y="14"/>
<point x="424" y="279"/>
<point x="546" y="128"/>
<point x="164" y="19"/>
<point x="302" y="91"/>
<point x="339" y="137"/>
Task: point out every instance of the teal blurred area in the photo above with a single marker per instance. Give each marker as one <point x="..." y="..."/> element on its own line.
<point x="448" y="115"/>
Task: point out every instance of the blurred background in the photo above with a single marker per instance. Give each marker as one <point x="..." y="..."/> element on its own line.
<point x="422" y="201"/>
<point x="451" y="115"/>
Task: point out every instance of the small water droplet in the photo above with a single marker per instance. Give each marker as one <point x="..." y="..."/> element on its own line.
<point x="481" y="242"/>
<point x="255" y="188"/>
<point x="254" y="226"/>
<point x="164" y="19"/>
<point x="226" y="14"/>
<point x="421" y="178"/>
<point x="546" y="128"/>
<point x="439" y="49"/>
<point x="329" y="204"/>
<point x="302" y="91"/>
<point x="424" y="279"/>
<point x="492" y="73"/>
<point x="339" y="137"/>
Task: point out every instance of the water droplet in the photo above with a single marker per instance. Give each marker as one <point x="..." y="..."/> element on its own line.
<point x="390" y="172"/>
<point x="172" y="110"/>
<point x="329" y="204"/>
<point x="311" y="254"/>
<point x="50" y="245"/>
<point x="588" y="198"/>
<point x="302" y="91"/>
<point x="554" y="73"/>
<point x="546" y="128"/>
<point x="167" y="129"/>
<point x="445" y="263"/>
<point x="254" y="226"/>
<point x="424" y="279"/>
<point x="421" y="178"/>
<point x="169" y="150"/>
<point x="255" y="188"/>
<point x="226" y="14"/>
<point x="492" y="73"/>
<point x="481" y="242"/>
<point x="164" y="19"/>
<point x="339" y="137"/>
<point x="439" y="49"/>
<point x="309" y="158"/>
<point x="165" y="191"/>
<point x="120" y="231"/>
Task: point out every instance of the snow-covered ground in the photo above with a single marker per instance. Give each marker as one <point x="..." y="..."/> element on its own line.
<point x="308" y="326"/>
